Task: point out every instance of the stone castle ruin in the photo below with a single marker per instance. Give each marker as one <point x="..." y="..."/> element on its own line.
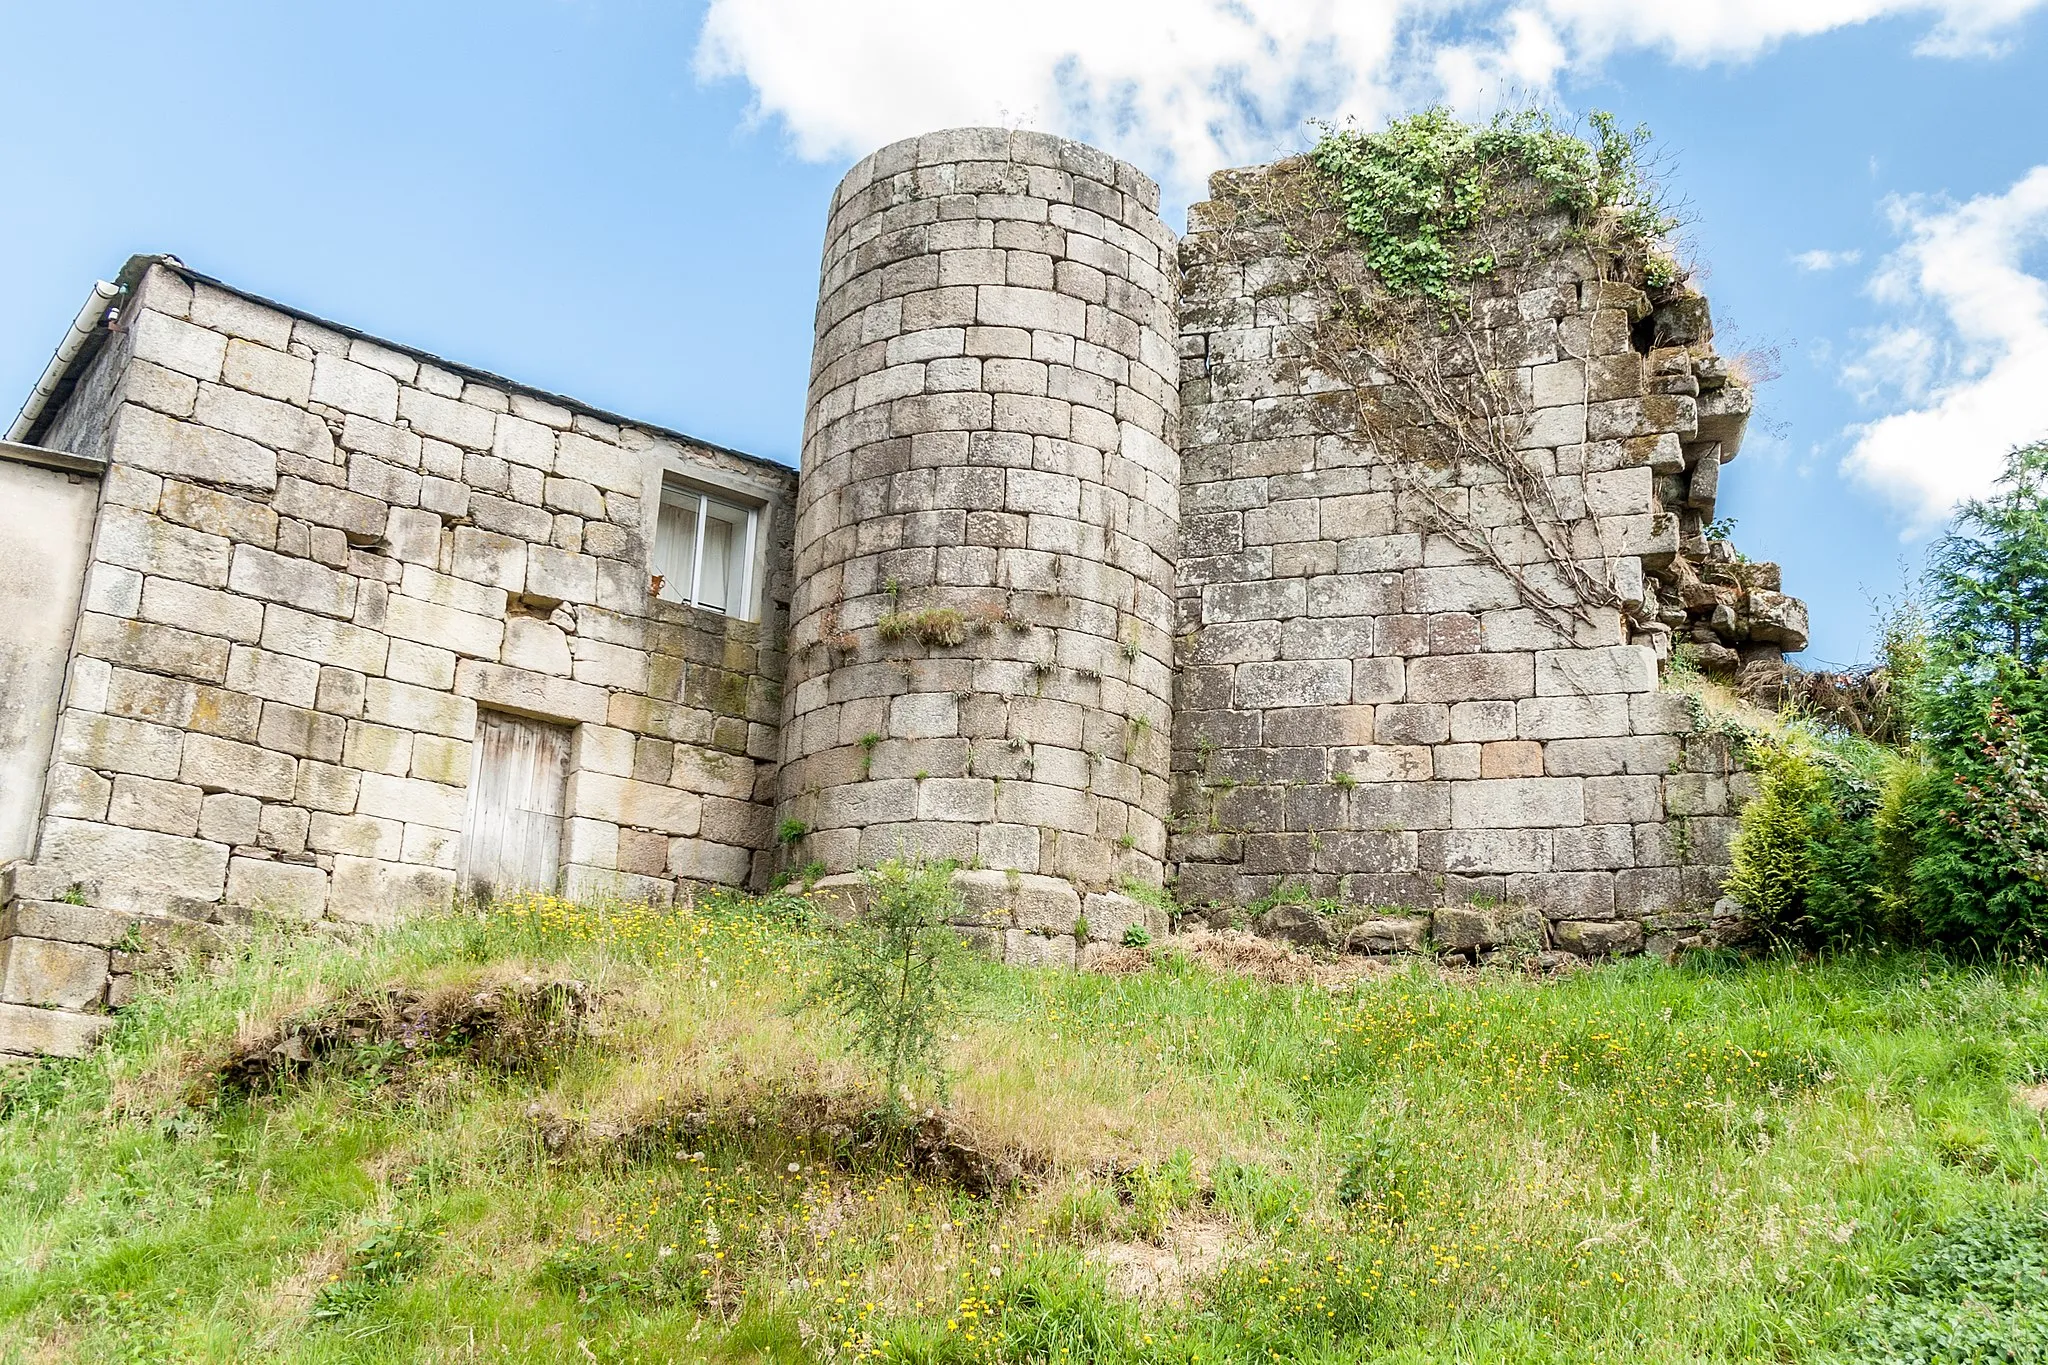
<point x="1112" y="561"/>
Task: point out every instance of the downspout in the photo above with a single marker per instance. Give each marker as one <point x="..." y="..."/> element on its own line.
<point x="82" y="328"/>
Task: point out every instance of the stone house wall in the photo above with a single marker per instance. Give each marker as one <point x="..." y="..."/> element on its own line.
<point x="315" y="557"/>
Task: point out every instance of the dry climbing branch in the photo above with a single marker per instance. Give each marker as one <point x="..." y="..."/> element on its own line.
<point x="1422" y="382"/>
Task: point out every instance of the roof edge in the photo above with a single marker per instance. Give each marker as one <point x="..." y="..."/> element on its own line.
<point x="139" y="265"/>
<point x="18" y="452"/>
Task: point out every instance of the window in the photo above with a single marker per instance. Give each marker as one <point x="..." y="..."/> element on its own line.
<point x="704" y="550"/>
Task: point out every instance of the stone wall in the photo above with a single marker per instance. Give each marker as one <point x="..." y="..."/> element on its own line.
<point x="1705" y="604"/>
<point x="1088" y="581"/>
<point x="317" y="556"/>
<point x="980" y="644"/>
<point x="1367" y="709"/>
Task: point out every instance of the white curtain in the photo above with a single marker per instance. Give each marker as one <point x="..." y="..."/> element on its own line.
<point x="675" y="544"/>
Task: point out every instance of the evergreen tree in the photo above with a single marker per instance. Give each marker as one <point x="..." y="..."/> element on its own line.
<point x="1982" y="824"/>
<point x="1988" y="577"/>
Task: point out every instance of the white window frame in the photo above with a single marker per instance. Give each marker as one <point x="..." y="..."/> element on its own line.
<point x="672" y="469"/>
<point x="741" y="594"/>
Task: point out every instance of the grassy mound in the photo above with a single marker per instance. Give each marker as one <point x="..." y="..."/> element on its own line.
<point x="557" y="1132"/>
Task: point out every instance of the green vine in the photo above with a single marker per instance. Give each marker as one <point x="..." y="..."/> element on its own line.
<point x="1413" y="193"/>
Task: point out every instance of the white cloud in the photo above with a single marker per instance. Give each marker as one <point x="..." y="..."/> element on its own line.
<point x="1184" y="86"/>
<point x="1723" y="30"/>
<point x="1968" y="358"/>
<point x="1191" y="83"/>
<point x="1825" y="260"/>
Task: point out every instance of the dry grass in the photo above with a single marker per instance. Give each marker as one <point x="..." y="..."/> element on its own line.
<point x="1242" y="954"/>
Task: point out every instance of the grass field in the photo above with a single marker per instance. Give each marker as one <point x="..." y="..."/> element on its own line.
<point x="601" y="1134"/>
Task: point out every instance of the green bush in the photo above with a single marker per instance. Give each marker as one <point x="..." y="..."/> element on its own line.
<point x="1154" y="1194"/>
<point x="389" y="1256"/>
<point x="1824" y="851"/>
<point x="1863" y="849"/>
<point x="1379" y="1180"/>
<point x="1943" y="839"/>
<point x="1979" y="1293"/>
<point x="1773" y="850"/>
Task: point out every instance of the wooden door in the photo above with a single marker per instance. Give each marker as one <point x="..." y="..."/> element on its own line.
<point x="512" y="830"/>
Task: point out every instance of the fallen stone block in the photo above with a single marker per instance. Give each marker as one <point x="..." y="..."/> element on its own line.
<point x="1296" y="924"/>
<point x="1602" y="938"/>
<point x="1401" y="934"/>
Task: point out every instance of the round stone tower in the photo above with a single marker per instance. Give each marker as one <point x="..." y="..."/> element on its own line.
<point x="988" y="517"/>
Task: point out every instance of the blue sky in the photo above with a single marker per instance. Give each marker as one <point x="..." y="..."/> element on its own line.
<point x="623" y="201"/>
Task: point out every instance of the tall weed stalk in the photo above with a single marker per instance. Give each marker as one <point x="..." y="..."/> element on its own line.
<point x="895" y="974"/>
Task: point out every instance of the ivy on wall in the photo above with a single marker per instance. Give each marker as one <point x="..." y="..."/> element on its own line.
<point x="1413" y="194"/>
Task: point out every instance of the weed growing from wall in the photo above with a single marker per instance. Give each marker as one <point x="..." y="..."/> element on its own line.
<point x="939" y="627"/>
<point x="1417" y="195"/>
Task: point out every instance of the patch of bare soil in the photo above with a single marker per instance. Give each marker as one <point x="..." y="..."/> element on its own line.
<point x="847" y="1129"/>
<point x="504" y="1022"/>
<point x="63" y="1344"/>
<point x="1192" y="1247"/>
<point x="292" y="1296"/>
<point x="2035" y="1097"/>
<point x="1234" y="950"/>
